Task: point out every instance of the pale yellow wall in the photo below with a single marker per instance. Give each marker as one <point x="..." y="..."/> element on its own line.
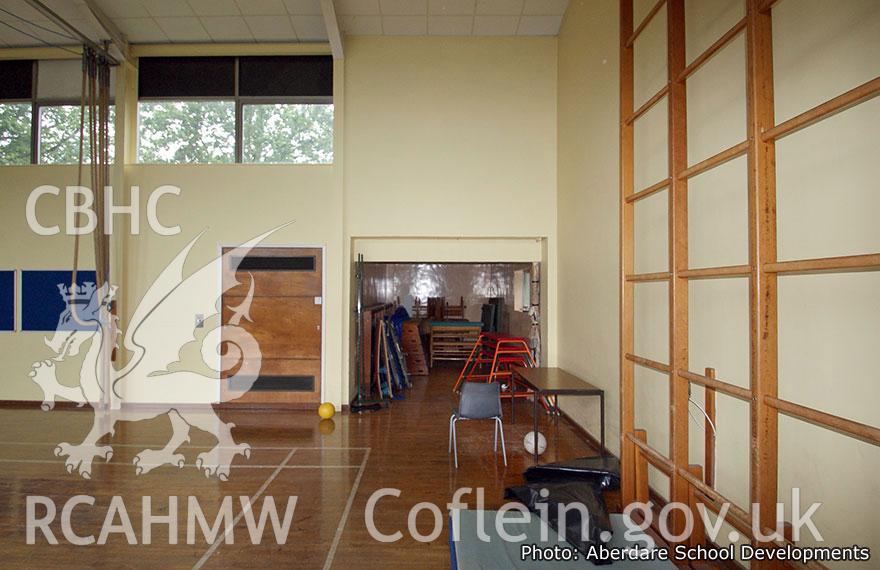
<point x="231" y="204"/>
<point x="451" y="137"/>
<point x="24" y="249"/>
<point x="588" y="197"/>
<point x="827" y="202"/>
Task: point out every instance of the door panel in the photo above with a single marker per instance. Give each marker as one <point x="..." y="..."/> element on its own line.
<point x="285" y="319"/>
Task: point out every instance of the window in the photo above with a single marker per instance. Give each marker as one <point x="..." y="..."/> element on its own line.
<point x="15" y="133"/>
<point x="59" y="134"/>
<point x="16" y="111"/>
<point x="186" y="131"/>
<point x="225" y="109"/>
<point x="39" y="112"/>
<point x="299" y="134"/>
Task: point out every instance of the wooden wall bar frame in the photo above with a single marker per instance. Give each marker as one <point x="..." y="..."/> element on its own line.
<point x="627" y="249"/>
<point x="764" y="460"/>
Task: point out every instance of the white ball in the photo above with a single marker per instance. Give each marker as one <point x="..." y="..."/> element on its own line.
<point x="529" y="442"/>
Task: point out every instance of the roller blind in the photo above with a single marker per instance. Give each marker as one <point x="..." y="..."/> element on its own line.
<point x="17" y="79"/>
<point x="186" y="77"/>
<point x="62" y="79"/>
<point x="297" y="76"/>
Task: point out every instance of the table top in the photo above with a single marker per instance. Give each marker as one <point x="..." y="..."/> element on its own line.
<point x="556" y="381"/>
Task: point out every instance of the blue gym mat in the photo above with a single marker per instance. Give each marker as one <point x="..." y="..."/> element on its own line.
<point x="471" y="553"/>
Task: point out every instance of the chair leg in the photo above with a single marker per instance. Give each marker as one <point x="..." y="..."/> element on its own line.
<point x="450" y="432"/>
<point x="503" y="449"/>
<point x="454" y="443"/>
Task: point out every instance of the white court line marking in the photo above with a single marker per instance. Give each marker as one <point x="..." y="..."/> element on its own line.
<point x="240" y="466"/>
<point x="357" y="482"/>
<point x="216" y="544"/>
<point x="161" y="445"/>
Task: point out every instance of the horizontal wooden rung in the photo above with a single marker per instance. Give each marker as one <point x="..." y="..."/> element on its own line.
<point x="855" y="429"/>
<point x="719" y="385"/>
<point x="866" y="262"/>
<point x="840" y="103"/>
<point x="716" y="160"/>
<point x="712" y="49"/>
<point x="652" y="189"/>
<point x="656" y="8"/>
<point x="648" y="363"/>
<point x="713" y="272"/>
<point x="653" y="456"/>
<point x="646" y="106"/>
<point x="646" y="277"/>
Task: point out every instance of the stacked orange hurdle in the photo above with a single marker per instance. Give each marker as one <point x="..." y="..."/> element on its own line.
<point x="492" y="360"/>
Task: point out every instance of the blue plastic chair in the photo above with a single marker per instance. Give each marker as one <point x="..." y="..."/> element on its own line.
<point x="479" y="401"/>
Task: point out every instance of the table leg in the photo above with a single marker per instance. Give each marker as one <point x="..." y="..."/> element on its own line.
<point x="513" y="398"/>
<point x="535" y="418"/>
<point x="556" y="427"/>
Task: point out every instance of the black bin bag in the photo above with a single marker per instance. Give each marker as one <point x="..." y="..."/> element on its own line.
<point x="602" y="471"/>
<point x="565" y="483"/>
<point x="566" y="493"/>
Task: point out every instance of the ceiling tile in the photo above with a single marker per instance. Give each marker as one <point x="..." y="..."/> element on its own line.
<point x="545" y="7"/>
<point x="539" y="25"/>
<point x="271" y="28"/>
<point x="187" y="29"/>
<point x="21" y="9"/>
<point x="215" y="7"/>
<point x="361" y="25"/>
<point x="450" y="25"/>
<point x="64" y="8"/>
<point x="310" y="28"/>
<point x="357" y="7"/>
<point x="304" y="7"/>
<point x="405" y="25"/>
<point x="227" y="29"/>
<point x="123" y="8"/>
<point x="141" y="30"/>
<point x="262" y="7"/>
<point x="14" y="38"/>
<point x="451" y="7"/>
<point x="500" y="7"/>
<point x="495" y="25"/>
<point x="166" y="8"/>
<point x="404" y="7"/>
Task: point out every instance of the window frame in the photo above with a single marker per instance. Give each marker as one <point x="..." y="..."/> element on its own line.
<point x="239" y="101"/>
<point x="37" y="103"/>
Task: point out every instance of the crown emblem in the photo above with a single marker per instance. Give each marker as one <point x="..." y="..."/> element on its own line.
<point x="78" y="294"/>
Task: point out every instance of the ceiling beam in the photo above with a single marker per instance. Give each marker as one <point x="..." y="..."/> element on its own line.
<point x="333" y="33"/>
<point x="70" y="28"/>
<point x="97" y="17"/>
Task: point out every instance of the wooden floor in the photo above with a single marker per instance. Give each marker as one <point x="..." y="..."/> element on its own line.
<point x="293" y="454"/>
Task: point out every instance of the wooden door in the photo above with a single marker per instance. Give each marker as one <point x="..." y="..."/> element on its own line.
<point x="286" y="320"/>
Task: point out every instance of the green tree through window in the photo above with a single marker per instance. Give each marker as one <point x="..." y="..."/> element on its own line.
<point x="186" y="131"/>
<point x="15" y="133"/>
<point x="59" y="134"/>
<point x="283" y="133"/>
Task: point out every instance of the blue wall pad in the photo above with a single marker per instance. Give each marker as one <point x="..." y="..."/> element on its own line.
<point x="7" y="300"/>
<point x="41" y="301"/>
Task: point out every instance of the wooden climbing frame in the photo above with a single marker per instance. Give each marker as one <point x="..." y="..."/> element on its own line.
<point x="691" y="484"/>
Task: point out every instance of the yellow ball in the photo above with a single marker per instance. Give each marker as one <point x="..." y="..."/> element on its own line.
<point x="326" y="410"/>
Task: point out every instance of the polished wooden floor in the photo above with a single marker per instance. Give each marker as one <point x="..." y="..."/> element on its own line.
<point x="333" y="469"/>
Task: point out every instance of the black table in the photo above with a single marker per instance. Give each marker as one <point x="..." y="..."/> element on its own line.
<point x="555" y="382"/>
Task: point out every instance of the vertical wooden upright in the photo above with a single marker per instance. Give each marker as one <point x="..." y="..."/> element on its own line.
<point x="678" y="254"/>
<point x="627" y="397"/>
<point x="762" y="250"/>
